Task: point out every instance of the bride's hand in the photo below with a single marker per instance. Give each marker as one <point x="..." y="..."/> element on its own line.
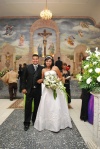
<point x="60" y="79"/>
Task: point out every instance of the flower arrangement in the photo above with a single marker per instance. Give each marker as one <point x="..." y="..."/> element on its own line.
<point x="90" y="79"/>
<point x="2" y="73"/>
<point x="53" y="82"/>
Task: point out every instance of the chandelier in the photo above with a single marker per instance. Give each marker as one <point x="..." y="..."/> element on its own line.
<point x="46" y="14"/>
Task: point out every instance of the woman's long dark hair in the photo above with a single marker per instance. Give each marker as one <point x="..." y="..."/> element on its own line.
<point x="46" y="59"/>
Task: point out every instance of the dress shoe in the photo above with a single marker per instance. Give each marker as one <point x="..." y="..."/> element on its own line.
<point x="26" y="127"/>
<point x="69" y="106"/>
<point x="14" y="95"/>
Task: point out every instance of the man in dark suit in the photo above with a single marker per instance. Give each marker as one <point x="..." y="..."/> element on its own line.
<point x="31" y="86"/>
<point x="59" y="63"/>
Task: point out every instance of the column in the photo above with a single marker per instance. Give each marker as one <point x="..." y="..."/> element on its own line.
<point x="96" y="125"/>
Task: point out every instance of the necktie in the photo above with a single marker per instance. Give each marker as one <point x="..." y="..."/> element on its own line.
<point x="35" y="67"/>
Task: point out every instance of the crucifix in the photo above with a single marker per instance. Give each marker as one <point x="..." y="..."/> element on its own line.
<point x="44" y="35"/>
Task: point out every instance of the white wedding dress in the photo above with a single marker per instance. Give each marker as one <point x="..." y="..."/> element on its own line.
<point x="52" y="113"/>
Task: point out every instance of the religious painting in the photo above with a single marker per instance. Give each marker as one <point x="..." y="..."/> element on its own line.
<point x="73" y="32"/>
<point x="44" y="42"/>
<point x="77" y="31"/>
<point x="15" y="32"/>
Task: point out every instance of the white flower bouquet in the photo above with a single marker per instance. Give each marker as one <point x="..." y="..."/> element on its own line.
<point x="90" y="79"/>
<point x="53" y="82"/>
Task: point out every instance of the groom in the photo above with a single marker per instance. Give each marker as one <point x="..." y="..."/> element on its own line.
<point x="31" y="86"/>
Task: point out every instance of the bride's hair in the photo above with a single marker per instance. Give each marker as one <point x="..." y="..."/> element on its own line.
<point x="47" y="58"/>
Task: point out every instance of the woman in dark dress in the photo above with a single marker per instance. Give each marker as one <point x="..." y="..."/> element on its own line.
<point x="85" y="96"/>
<point x="20" y="75"/>
<point x="67" y="77"/>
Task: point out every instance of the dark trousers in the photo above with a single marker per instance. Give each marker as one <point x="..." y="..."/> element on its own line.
<point x="67" y="85"/>
<point x="35" y="95"/>
<point x="12" y="90"/>
<point x="20" y="85"/>
<point x="84" y="108"/>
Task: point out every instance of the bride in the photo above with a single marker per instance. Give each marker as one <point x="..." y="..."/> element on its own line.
<point x="52" y="114"/>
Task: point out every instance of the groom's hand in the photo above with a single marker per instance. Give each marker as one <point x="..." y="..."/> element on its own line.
<point x="40" y="81"/>
<point x="24" y="91"/>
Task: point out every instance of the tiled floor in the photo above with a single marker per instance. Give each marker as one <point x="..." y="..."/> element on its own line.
<point x="84" y="128"/>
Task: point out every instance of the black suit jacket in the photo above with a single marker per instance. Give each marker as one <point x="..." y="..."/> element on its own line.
<point x="30" y="77"/>
<point x="59" y="63"/>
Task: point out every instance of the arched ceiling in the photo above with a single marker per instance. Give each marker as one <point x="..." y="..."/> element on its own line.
<point x="66" y="8"/>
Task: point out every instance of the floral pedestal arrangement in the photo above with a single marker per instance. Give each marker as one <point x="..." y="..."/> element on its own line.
<point x="90" y="79"/>
<point x="96" y="124"/>
<point x="95" y="142"/>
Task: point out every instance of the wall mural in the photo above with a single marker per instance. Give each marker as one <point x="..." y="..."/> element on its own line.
<point x="73" y="32"/>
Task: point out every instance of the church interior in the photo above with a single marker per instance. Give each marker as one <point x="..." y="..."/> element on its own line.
<point x="58" y="28"/>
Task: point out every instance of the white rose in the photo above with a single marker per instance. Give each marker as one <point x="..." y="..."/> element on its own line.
<point x="98" y="79"/>
<point x="97" y="70"/>
<point x="46" y="83"/>
<point x="53" y="85"/>
<point x="80" y="78"/>
<point x="87" y="58"/>
<point x="85" y="67"/>
<point x="47" y="77"/>
<point x="97" y="52"/>
<point x="96" y="48"/>
<point x="94" y="63"/>
<point x="90" y="70"/>
<point x="53" y="82"/>
<point x="89" y="80"/>
<point x="87" y="51"/>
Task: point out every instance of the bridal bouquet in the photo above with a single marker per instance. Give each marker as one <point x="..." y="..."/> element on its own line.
<point x="90" y="78"/>
<point x="53" y="82"/>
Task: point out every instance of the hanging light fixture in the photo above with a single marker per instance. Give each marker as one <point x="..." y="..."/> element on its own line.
<point x="46" y="14"/>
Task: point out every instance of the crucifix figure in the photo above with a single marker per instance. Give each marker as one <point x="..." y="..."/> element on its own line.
<point x="44" y="35"/>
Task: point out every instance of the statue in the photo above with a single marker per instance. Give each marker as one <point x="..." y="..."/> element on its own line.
<point x="44" y="35"/>
<point x="52" y="49"/>
<point x="39" y="50"/>
<point x="8" y="57"/>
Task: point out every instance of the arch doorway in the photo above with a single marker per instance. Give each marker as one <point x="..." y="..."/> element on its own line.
<point x="44" y="24"/>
